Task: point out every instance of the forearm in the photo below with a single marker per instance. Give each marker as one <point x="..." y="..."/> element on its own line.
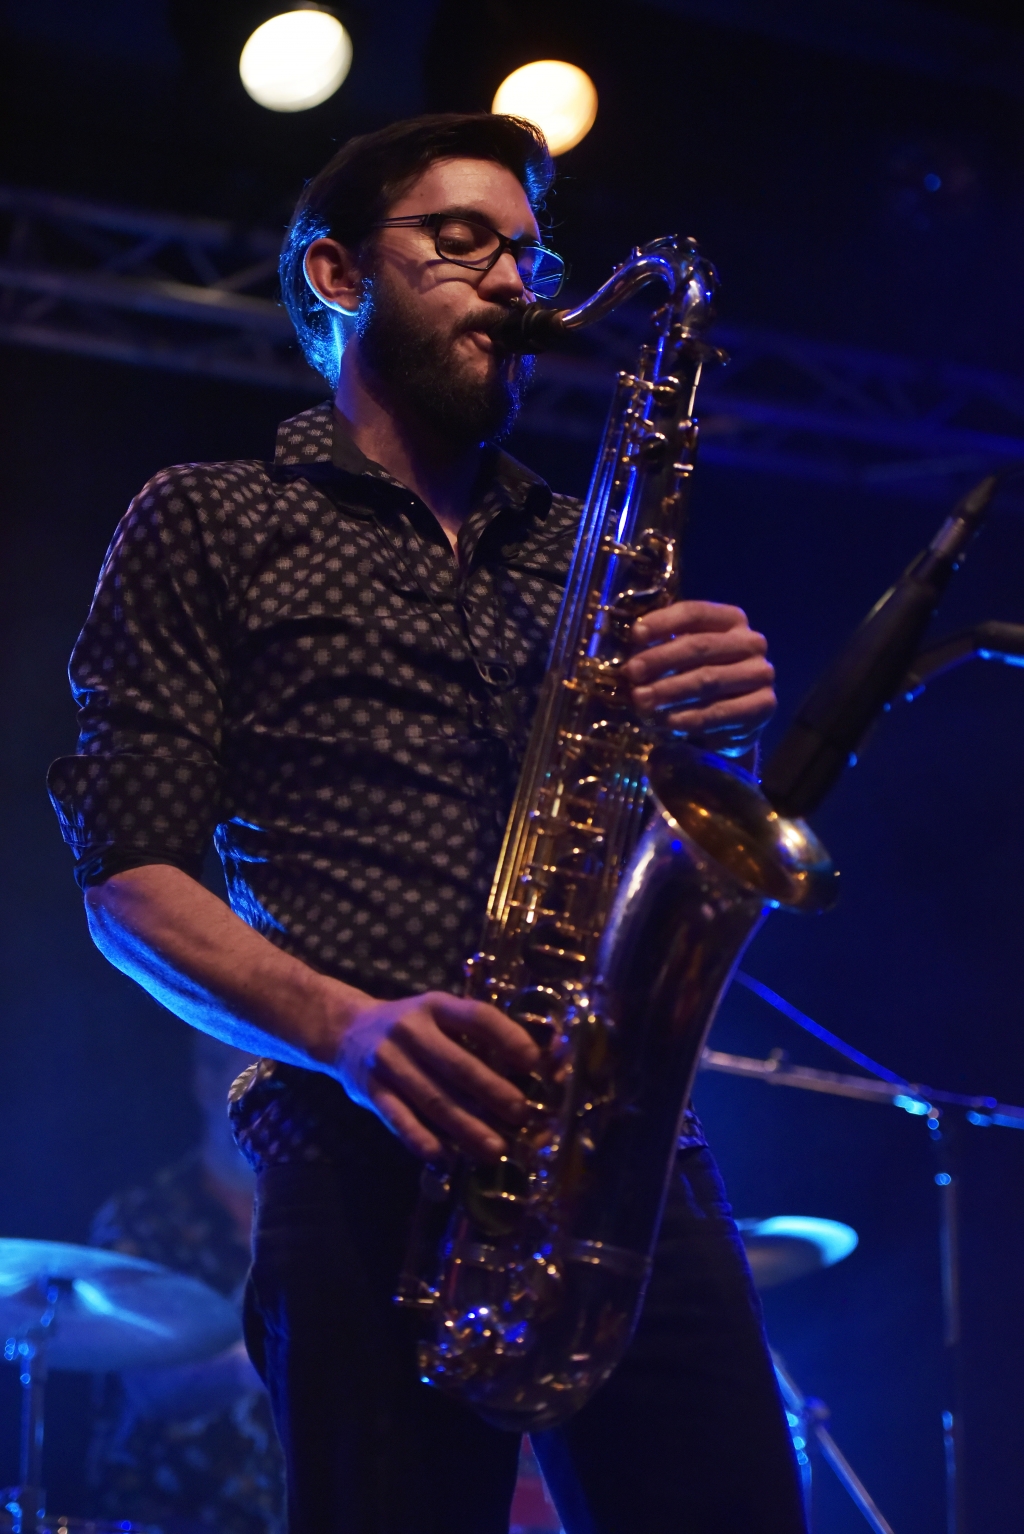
<point x="400" y="1059"/>
<point x="190" y="951"/>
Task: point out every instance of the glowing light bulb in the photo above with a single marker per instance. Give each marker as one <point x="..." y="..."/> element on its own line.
<point x="296" y="60"/>
<point x="558" y="97"/>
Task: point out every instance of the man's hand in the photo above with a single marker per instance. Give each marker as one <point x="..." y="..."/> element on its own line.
<point x="703" y="670"/>
<point x="404" y="1061"/>
<point x="407" y="1061"/>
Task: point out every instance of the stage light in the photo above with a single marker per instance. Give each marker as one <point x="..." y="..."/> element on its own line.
<point x="558" y="97"/>
<point x="296" y="60"/>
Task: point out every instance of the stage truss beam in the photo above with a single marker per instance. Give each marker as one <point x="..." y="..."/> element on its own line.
<point x="199" y="296"/>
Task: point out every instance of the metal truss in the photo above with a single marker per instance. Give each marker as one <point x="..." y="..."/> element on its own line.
<point x="197" y="296"/>
<point x="806" y="409"/>
<point x="189" y="294"/>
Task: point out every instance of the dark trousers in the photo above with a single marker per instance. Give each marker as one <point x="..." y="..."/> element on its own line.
<point x="687" y="1437"/>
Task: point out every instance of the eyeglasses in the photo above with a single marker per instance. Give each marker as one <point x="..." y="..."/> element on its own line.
<point x="466" y="242"/>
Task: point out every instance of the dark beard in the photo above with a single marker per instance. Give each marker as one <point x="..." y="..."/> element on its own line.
<point x="419" y="369"/>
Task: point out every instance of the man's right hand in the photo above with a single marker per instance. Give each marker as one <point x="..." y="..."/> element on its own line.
<point x="404" y="1061"/>
<point x="407" y="1061"/>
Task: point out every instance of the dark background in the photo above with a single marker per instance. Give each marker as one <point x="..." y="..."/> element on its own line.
<point x="799" y="162"/>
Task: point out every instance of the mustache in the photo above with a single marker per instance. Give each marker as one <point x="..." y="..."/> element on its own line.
<point x="488" y="319"/>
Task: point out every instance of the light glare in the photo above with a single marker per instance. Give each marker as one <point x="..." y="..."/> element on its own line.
<point x="295" y="60"/>
<point x="560" y="98"/>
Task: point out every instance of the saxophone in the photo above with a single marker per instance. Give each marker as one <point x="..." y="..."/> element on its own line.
<point x="634" y="871"/>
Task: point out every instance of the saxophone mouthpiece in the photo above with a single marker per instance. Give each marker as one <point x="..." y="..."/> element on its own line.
<point x="529" y="328"/>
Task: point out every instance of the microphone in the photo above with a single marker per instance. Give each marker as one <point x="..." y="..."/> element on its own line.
<point x="871" y="667"/>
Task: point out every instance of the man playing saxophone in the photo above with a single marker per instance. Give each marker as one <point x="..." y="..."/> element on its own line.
<point x="327" y="665"/>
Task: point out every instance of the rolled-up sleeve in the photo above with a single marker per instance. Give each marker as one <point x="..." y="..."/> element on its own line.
<point x="148" y="677"/>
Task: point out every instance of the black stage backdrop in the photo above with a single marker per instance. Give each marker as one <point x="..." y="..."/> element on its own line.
<point x="920" y="966"/>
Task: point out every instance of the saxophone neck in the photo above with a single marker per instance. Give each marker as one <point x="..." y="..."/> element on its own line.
<point x="690" y="279"/>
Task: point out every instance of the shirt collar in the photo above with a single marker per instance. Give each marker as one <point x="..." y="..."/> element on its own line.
<point x="305" y="438"/>
<point x="317" y="439"/>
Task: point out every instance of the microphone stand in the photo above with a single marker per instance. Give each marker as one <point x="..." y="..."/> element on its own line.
<point x="944" y="1131"/>
<point x="881" y="661"/>
<point x="945" y="1138"/>
<point x="985" y="641"/>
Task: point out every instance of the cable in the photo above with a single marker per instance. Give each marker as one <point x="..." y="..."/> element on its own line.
<point x="810" y="1026"/>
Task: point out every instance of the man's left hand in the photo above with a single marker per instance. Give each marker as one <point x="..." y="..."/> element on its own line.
<point x="702" y="670"/>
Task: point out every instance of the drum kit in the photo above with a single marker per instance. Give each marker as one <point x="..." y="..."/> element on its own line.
<point x="85" y="1308"/>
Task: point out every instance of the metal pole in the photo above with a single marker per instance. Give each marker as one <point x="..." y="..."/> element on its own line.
<point x="797" y="1418"/>
<point x="814" y="1412"/>
<point x="943" y="1137"/>
<point x="851" y="1480"/>
<point x="27" y="1501"/>
<point x="32" y="1375"/>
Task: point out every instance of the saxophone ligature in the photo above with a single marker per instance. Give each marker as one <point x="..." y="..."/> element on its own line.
<point x="634" y="871"/>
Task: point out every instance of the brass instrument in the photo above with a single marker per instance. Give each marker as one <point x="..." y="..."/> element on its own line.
<point x="634" y="871"/>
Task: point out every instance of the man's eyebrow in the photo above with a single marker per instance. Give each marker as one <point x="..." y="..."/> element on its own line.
<point x="480" y="217"/>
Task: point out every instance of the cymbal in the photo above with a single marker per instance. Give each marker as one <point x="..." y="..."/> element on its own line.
<point x="789" y="1245"/>
<point x="112" y="1312"/>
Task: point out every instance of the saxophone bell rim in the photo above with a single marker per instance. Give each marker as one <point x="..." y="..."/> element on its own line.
<point x="719" y="807"/>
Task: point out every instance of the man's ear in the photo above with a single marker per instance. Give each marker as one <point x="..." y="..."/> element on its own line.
<point x="332" y="273"/>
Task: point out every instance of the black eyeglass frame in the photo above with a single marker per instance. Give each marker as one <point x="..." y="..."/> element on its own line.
<point x="487" y="263"/>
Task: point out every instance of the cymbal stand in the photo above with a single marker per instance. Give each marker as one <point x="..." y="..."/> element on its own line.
<point x="944" y="1135"/>
<point x="811" y="1416"/>
<point x="944" y="1130"/>
<point x="27" y="1501"/>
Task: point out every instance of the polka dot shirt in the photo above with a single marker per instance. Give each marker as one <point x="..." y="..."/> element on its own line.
<point x="287" y="658"/>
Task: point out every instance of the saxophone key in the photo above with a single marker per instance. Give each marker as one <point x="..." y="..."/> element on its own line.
<point x="495" y="1196"/>
<point x="538" y="1004"/>
<point x="554" y="958"/>
<point x="553" y="824"/>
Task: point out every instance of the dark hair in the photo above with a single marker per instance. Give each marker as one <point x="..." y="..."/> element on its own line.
<point x="356" y="188"/>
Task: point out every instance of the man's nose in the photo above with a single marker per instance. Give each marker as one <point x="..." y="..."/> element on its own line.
<point x="502" y="283"/>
